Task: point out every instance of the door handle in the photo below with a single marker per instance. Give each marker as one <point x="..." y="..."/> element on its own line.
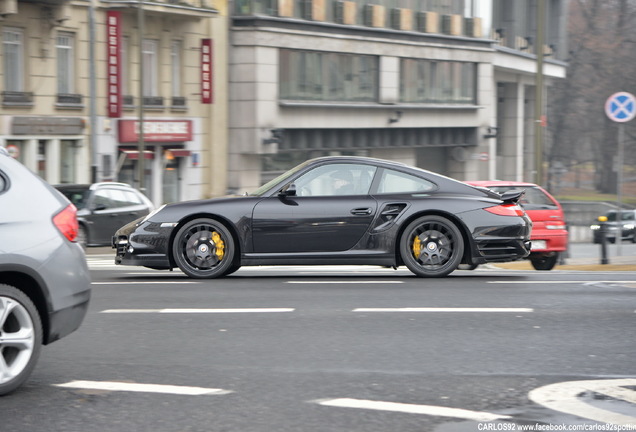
<point x="363" y="211"/>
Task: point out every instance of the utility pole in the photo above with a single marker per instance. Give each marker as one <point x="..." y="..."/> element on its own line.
<point x="538" y="100"/>
<point x="140" y="133"/>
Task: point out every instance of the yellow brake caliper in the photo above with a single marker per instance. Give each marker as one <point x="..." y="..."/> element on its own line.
<point x="219" y="245"/>
<point x="417" y="247"/>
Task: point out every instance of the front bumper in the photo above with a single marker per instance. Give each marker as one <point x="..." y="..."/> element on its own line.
<point x="143" y="244"/>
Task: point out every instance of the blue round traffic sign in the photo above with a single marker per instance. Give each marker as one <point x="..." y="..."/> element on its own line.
<point x="621" y="107"/>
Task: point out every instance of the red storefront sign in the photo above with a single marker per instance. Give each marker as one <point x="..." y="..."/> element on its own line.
<point x="206" y="71"/>
<point x="155" y="130"/>
<point x="113" y="59"/>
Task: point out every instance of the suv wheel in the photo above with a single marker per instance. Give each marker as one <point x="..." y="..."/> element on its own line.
<point x="20" y="338"/>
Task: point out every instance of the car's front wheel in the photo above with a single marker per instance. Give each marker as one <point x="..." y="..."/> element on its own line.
<point x="20" y="338"/>
<point x="431" y="246"/>
<point x="204" y="249"/>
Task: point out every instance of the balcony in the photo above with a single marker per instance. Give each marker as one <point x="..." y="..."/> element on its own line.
<point x="17" y="99"/>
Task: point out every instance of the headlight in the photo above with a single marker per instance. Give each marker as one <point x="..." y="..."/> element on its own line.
<point x="152" y="213"/>
<point x="628" y="226"/>
<point x="595" y="227"/>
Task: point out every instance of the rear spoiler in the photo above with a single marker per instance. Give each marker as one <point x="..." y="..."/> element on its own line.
<point x="512" y="196"/>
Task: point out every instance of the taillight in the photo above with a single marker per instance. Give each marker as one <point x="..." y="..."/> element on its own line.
<point x="506" y="210"/>
<point x="555" y="225"/>
<point x="66" y="222"/>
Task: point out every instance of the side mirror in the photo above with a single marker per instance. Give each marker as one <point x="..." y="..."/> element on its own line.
<point x="287" y="191"/>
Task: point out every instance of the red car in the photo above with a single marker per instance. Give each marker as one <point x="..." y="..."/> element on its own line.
<point x="549" y="234"/>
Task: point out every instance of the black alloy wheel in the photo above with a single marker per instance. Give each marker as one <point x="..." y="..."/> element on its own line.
<point x="545" y="262"/>
<point x="204" y="249"/>
<point x="431" y="246"/>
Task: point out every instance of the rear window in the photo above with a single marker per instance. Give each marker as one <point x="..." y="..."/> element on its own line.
<point x="533" y="199"/>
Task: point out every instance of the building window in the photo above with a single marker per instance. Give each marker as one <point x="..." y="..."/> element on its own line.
<point x="65" y="63"/>
<point x="428" y="81"/>
<point x="125" y="66"/>
<point x="150" y="68"/>
<point x="13" y="50"/>
<point x="308" y="75"/>
<point x="175" y="68"/>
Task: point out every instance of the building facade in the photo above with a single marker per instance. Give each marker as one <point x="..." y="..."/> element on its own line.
<point x="57" y="78"/>
<point x="446" y="85"/>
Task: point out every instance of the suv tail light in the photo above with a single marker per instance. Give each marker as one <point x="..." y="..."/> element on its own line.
<point x="506" y="210"/>
<point x="66" y="222"/>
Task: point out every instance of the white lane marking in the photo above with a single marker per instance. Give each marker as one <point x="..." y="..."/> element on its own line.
<point x="345" y="282"/>
<point x="142" y="388"/>
<point x="413" y="409"/>
<point x="564" y="397"/>
<point x="198" y="311"/>
<point x="144" y="283"/>
<point x="430" y="309"/>
<point x="559" y="282"/>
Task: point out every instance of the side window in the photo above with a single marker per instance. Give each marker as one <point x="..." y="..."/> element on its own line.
<point x="101" y="200"/>
<point x="120" y="198"/>
<point x="336" y="180"/>
<point x="132" y="199"/>
<point x="398" y="182"/>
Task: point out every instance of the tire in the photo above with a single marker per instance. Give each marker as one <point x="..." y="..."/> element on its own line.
<point x="204" y="249"/>
<point x="431" y="246"/>
<point x="545" y="262"/>
<point x="20" y="338"/>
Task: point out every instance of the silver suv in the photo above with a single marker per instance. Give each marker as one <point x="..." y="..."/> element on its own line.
<point x="44" y="279"/>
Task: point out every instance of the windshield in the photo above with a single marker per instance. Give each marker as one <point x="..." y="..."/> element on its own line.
<point x="280" y="179"/>
<point x="626" y="216"/>
<point x="78" y="196"/>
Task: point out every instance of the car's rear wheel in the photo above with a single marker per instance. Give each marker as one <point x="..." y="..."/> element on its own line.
<point x="204" y="249"/>
<point x="20" y="338"/>
<point x="431" y="246"/>
<point x="545" y="262"/>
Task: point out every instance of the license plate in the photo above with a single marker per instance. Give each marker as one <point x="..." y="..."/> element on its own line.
<point x="538" y="244"/>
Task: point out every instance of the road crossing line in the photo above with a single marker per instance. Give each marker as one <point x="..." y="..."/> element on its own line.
<point x="431" y="410"/>
<point x="434" y="309"/>
<point x="142" y="388"/>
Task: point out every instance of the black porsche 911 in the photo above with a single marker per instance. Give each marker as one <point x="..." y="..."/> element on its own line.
<point x="334" y="210"/>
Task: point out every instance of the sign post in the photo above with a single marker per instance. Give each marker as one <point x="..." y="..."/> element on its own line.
<point x="621" y="108"/>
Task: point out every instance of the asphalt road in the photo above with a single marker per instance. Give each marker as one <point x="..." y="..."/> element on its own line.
<point x="338" y="349"/>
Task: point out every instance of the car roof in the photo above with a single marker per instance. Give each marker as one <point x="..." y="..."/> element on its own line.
<point x="92" y="186"/>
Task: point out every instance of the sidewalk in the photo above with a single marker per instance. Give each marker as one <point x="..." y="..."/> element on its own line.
<point x="616" y="263"/>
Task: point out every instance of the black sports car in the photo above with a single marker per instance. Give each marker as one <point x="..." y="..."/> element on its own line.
<point x="334" y="210"/>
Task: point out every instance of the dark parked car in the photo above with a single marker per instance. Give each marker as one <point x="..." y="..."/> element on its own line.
<point x="549" y="230"/>
<point x="102" y="208"/>
<point x="44" y="279"/>
<point x="334" y="210"/>
<point x="626" y="223"/>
